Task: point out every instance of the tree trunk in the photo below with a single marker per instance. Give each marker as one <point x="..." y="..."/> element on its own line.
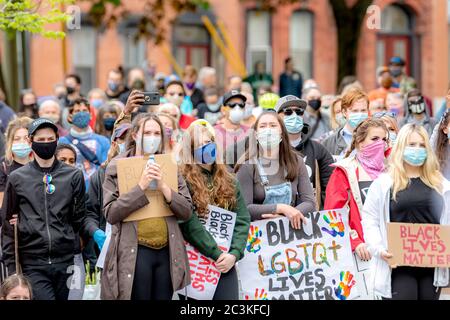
<point x="348" y="25"/>
<point x="10" y="69"/>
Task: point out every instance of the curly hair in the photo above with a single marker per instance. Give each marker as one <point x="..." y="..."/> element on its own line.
<point x="221" y="192"/>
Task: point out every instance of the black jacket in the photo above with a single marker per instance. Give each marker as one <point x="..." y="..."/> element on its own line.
<point x="47" y="223"/>
<point x="95" y="218"/>
<point x="312" y="151"/>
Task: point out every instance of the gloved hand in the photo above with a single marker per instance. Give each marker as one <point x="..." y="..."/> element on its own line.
<point x="99" y="238"/>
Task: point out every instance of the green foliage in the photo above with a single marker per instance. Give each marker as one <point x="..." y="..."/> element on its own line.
<point x="33" y="16"/>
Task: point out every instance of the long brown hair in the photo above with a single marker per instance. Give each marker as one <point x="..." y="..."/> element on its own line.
<point x="288" y="159"/>
<point x="13" y="126"/>
<point x="442" y="141"/>
<point x="110" y="107"/>
<point x="362" y="130"/>
<point x="138" y="123"/>
<point x="222" y="192"/>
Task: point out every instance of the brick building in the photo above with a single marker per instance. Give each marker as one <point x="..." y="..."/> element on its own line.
<point x="414" y="29"/>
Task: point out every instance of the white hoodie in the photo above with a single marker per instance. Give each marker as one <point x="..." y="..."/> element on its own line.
<point x="375" y="216"/>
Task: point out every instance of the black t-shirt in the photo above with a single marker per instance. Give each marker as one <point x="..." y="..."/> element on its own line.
<point x="4" y="174"/>
<point x="418" y="203"/>
<point x="364" y="188"/>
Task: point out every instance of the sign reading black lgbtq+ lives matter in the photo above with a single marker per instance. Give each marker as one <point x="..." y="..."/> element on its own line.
<point x="311" y="263"/>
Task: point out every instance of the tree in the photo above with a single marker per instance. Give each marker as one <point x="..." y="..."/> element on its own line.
<point x="32" y="16"/>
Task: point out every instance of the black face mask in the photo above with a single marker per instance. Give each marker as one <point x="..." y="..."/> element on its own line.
<point x="44" y="150"/>
<point x="70" y="90"/>
<point x="315" y="104"/>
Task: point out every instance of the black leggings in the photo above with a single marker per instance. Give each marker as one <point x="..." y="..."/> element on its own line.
<point x="412" y="283"/>
<point x="227" y="288"/>
<point x="152" y="279"/>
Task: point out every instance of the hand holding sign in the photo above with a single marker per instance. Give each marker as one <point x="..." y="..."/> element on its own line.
<point x="346" y="284"/>
<point x="336" y="225"/>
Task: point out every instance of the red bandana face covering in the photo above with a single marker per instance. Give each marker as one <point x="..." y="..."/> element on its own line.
<point x="372" y="157"/>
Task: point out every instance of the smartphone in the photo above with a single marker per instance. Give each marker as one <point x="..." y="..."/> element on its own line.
<point x="151" y="98"/>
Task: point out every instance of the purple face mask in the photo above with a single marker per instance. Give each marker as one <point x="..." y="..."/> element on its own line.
<point x="190" y="85"/>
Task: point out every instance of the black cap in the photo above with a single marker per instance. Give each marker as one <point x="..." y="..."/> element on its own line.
<point x="40" y="124"/>
<point x="233" y="94"/>
<point x="288" y="101"/>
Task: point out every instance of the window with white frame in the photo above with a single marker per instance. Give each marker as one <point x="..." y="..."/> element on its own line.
<point x="301" y="42"/>
<point x="84" y="55"/>
<point x="258" y="40"/>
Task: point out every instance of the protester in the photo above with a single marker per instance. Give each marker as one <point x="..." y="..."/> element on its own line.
<point x="319" y="122"/>
<point x="385" y="84"/>
<point x="139" y="259"/>
<point x="395" y="104"/>
<point x="46" y="250"/>
<point x="291" y="81"/>
<point x="413" y="191"/>
<point x="337" y="119"/>
<point x="377" y="105"/>
<point x="231" y="130"/>
<point x="2" y="145"/>
<point x="189" y="80"/>
<point x="210" y="111"/>
<point x="355" y="108"/>
<point x="171" y="131"/>
<point x="51" y="109"/>
<point x="317" y="159"/>
<point x="135" y="81"/>
<point x="352" y="177"/>
<point x="92" y="149"/>
<point x="16" y="287"/>
<point x="440" y="142"/>
<point x="445" y="106"/>
<point x="206" y="78"/>
<point x="416" y="111"/>
<point x="175" y="93"/>
<point x="116" y="84"/>
<point x="391" y="123"/>
<point x="28" y="104"/>
<point x="400" y="78"/>
<point x="72" y="82"/>
<point x="273" y="177"/>
<point x="249" y="117"/>
<point x="67" y="154"/>
<point x="259" y="78"/>
<point x="202" y="173"/>
<point x="235" y="83"/>
<point x="171" y="110"/>
<point x="106" y="117"/>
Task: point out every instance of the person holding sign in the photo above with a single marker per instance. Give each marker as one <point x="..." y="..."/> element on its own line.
<point x="282" y="187"/>
<point x="210" y="183"/>
<point x="353" y="175"/>
<point x="413" y="191"/>
<point x="146" y="259"/>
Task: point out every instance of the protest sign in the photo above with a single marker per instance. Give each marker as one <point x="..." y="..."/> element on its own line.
<point x="419" y="245"/>
<point x="129" y="172"/>
<point x="311" y="263"/>
<point x="204" y="274"/>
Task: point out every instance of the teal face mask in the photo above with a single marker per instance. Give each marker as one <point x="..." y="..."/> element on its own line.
<point x="21" y="150"/>
<point x="293" y="123"/>
<point x="415" y="156"/>
<point x="356" y="118"/>
<point x="392" y="136"/>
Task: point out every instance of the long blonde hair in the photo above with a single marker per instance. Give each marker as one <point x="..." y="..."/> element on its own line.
<point x="13" y="126"/>
<point x="429" y="173"/>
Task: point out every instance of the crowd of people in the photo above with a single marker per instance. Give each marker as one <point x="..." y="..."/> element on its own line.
<point x="243" y="148"/>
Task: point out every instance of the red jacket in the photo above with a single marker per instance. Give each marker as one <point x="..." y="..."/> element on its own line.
<point x="337" y="192"/>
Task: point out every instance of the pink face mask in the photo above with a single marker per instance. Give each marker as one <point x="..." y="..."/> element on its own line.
<point x="372" y="157"/>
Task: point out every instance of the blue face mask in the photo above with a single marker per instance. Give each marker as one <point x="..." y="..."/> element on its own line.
<point x="96" y="103"/>
<point x="293" y="123"/>
<point x="113" y="86"/>
<point x="415" y="156"/>
<point x="109" y="123"/>
<point x="356" y="118"/>
<point x="81" y="119"/>
<point x="392" y="136"/>
<point x="205" y="154"/>
<point x="121" y="147"/>
<point x="21" y="150"/>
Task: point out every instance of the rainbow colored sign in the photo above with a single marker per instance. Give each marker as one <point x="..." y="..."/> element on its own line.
<point x="314" y="262"/>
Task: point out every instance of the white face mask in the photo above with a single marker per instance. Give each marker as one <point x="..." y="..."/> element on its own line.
<point x="151" y="144"/>
<point x="268" y="138"/>
<point x="236" y="115"/>
<point x="248" y="111"/>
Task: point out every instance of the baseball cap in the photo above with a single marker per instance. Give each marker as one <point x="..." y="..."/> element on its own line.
<point x="41" y="123"/>
<point x="397" y="61"/>
<point x="233" y="94"/>
<point x="120" y="131"/>
<point x="290" y="100"/>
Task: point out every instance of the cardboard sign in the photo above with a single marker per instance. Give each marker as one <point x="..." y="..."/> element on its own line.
<point x="311" y="263"/>
<point x="419" y="245"/>
<point x="129" y="172"/>
<point x="204" y="274"/>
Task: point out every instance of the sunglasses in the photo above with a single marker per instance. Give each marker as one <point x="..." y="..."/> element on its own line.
<point x="240" y="105"/>
<point x="49" y="188"/>
<point x="290" y="111"/>
<point x="384" y="113"/>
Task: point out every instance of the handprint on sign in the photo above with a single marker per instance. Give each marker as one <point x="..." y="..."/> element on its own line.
<point x="259" y="295"/>
<point x="345" y="286"/>
<point x="253" y="240"/>
<point x="335" y="222"/>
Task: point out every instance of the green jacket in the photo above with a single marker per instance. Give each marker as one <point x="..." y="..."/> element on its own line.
<point x="194" y="232"/>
